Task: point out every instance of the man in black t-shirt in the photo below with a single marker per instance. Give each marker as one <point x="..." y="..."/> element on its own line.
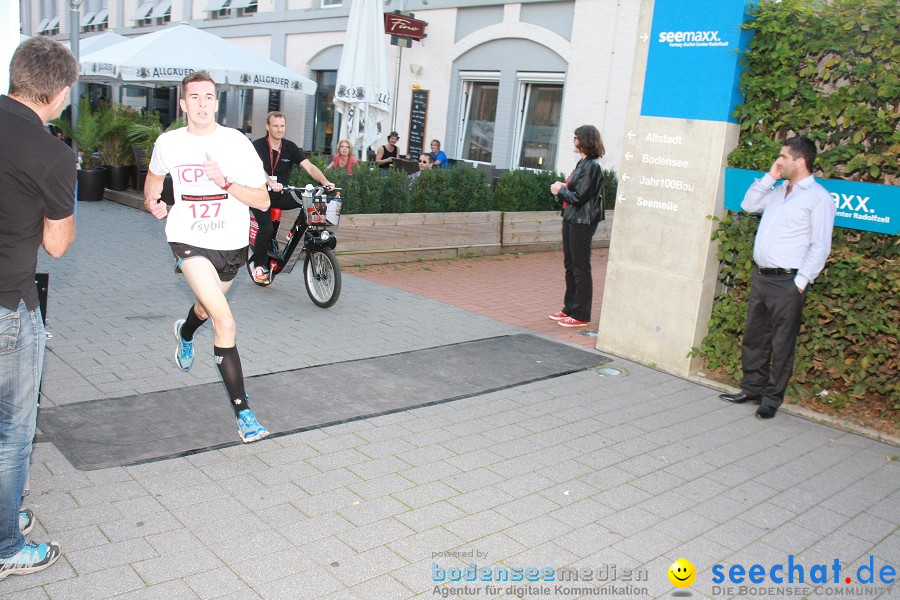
<point x="37" y="207"/>
<point x="279" y="156"/>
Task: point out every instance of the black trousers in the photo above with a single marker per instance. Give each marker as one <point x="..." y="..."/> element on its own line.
<point x="266" y="230"/>
<point x="576" y="243"/>
<point x="774" y="315"/>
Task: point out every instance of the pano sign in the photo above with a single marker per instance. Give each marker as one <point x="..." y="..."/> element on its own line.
<point x="692" y="60"/>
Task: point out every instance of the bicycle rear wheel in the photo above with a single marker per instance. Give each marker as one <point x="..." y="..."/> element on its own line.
<point x="322" y="275"/>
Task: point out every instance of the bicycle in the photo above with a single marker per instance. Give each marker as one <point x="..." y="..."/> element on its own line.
<point x="321" y="271"/>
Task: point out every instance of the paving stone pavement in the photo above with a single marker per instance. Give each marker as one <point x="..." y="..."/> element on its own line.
<point x="601" y="473"/>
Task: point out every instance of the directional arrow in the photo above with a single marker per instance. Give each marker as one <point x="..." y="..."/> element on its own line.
<point x="621" y="199"/>
<point x="645" y="37"/>
<point x="631" y="135"/>
<point x="629" y="156"/>
<point x="625" y="177"/>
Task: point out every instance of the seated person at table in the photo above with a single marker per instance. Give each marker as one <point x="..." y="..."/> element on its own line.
<point x="425" y="162"/>
<point x="438" y="156"/>
<point x="344" y="159"/>
<point x="386" y="154"/>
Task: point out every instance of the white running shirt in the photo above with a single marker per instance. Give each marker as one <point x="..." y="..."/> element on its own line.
<point x="204" y="215"/>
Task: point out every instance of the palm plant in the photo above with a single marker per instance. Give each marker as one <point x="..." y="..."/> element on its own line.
<point x="114" y="146"/>
<point x="87" y="132"/>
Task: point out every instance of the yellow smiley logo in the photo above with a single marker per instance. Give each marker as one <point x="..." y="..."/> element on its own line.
<point x="682" y="573"/>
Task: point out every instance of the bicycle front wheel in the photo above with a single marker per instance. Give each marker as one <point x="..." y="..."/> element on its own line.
<point x="322" y="275"/>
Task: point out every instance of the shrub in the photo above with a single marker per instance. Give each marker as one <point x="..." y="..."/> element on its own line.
<point x="828" y="71"/>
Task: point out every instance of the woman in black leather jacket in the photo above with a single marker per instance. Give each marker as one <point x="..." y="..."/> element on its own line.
<point x="581" y="198"/>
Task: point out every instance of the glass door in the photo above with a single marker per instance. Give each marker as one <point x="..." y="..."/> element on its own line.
<point x="479" y="118"/>
<point x="539" y="125"/>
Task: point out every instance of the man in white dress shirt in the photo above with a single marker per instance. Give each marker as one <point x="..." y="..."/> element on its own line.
<point x="792" y="244"/>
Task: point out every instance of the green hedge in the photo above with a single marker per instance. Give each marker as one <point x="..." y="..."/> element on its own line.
<point x="828" y="71"/>
<point x="445" y="190"/>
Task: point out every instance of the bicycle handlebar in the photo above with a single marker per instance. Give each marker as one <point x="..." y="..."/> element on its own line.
<point x="316" y="190"/>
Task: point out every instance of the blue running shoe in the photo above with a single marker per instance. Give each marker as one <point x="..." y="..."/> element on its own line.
<point x="184" y="353"/>
<point x="249" y="428"/>
<point x="30" y="559"/>
<point x="26" y="521"/>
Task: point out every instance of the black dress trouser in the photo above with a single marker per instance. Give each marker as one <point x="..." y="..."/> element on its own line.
<point x="774" y="315"/>
<point x="282" y="200"/>
<point x="576" y="243"/>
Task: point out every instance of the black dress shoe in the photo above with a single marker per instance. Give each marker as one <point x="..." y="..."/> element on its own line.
<point x="740" y="397"/>
<point x="766" y="412"/>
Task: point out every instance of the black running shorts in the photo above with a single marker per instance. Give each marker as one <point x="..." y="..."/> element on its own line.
<point x="226" y="262"/>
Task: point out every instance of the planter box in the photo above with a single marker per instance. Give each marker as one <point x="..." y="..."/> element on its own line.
<point x="389" y="238"/>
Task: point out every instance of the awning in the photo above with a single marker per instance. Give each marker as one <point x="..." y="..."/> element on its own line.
<point x="235" y="4"/>
<point x="143" y="11"/>
<point x="53" y="24"/>
<point x="87" y="18"/>
<point x="102" y="17"/>
<point x="216" y="5"/>
<point x="162" y="9"/>
<point x="42" y="26"/>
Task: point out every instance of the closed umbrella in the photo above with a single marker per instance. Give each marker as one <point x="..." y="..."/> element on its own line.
<point x="362" y="95"/>
<point x="166" y="56"/>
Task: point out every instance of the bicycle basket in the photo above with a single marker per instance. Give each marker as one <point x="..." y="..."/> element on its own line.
<point x="322" y="211"/>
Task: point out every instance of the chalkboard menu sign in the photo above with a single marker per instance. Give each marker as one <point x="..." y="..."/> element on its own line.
<point x="418" y="117"/>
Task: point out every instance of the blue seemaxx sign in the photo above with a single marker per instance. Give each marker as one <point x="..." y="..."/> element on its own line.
<point x="865" y="206"/>
<point x="692" y="63"/>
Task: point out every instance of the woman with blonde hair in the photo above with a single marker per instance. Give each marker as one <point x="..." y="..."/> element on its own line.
<point x="344" y="158"/>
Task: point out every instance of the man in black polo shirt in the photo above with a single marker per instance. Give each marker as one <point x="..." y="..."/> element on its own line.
<point x="37" y="204"/>
<point x="279" y="156"/>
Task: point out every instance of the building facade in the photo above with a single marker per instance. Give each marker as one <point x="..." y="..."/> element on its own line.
<point x="507" y="82"/>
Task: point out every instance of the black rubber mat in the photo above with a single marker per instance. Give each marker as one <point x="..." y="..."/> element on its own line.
<point x="135" y="429"/>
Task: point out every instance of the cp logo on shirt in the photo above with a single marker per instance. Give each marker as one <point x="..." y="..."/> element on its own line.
<point x="191" y="173"/>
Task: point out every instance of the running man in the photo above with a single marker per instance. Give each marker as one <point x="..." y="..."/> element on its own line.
<point x="216" y="175"/>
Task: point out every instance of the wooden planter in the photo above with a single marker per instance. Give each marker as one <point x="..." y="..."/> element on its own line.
<point x="389" y="238"/>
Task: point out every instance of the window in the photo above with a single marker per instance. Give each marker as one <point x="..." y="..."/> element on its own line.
<point x="331" y="3"/>
<point x="162" y="12"/>
<point x="142" y="14"/>
<point x="101" y="21"/>
<point x="537" y="129"/>
<point x="87" y="20"/>
<point x="52" y="26"/>
<point x="244" y="7"/>
<point x="218" y="9"/>
<point x="479" y="120"/>
<point x="324" y="126"/>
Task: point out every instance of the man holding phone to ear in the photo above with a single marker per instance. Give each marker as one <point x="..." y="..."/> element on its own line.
<point x="216" y="176"/>
<point x="792" y="244"/>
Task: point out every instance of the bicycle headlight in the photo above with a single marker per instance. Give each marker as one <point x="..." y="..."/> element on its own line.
<point x="325" y="236"/>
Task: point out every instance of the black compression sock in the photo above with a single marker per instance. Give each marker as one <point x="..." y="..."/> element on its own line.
<point x="191" y="325"/>
<point x="229" y="363"/>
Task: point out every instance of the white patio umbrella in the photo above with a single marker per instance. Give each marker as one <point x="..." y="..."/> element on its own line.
<point x="166" y="56"/>
<point x="362" y="94"/>
<point x="97" y="42"/>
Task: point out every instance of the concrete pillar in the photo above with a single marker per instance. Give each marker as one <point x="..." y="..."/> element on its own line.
<point x="662" y="268"/>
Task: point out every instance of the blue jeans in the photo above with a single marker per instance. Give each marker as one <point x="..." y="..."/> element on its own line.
<point x="22" y="341"/>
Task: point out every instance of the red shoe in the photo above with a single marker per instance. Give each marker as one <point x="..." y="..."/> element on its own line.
<point x="558" y="316"/>
<point x="570" y="322"/>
